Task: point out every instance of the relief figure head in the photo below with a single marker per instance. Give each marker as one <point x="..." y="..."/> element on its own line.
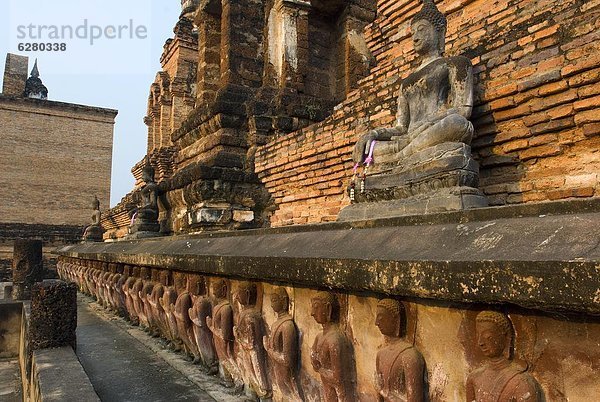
<point x="324" y="307"/>
<point x="280" y="300"/>
<point x="219" y="288"/>
<point x="494" y="334"/>
<point x="390" y="317"/>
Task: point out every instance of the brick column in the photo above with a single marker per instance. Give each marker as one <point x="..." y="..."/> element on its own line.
<point x="242" y="26"/>
<point x="208" y="21"/>
<point x="27" y="267"/>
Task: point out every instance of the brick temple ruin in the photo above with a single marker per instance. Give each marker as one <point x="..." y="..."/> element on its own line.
<point x="41" y="137"/>
<point x="458" y="263"/>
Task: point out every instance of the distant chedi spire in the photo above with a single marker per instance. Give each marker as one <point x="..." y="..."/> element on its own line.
<point x="34" y="88"/>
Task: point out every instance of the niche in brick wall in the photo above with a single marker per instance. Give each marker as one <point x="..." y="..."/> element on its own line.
<point x="317" y="48"/>
<point x="338" y="53"/>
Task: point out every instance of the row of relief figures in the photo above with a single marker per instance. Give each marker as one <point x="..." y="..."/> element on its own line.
<point x="225" y="332"/>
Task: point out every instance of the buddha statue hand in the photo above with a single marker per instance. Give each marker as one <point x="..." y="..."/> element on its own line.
<point x="361" y="149"/>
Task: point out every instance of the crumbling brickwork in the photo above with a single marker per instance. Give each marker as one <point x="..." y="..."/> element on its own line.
<point x="537" y="112"/>
<point x="264" y="69"/>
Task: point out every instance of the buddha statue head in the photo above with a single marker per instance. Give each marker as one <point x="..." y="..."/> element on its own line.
<point x="280" y="300"/>
<point x="165" y="277"/>
<point x="197" y="285"/>
<point x="429" y="30"/>
<point x="324" y="307"/>
<point x="390" y="317"/>
<point x="494" y="334"/>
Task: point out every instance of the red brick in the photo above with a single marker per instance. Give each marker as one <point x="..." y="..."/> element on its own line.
<point x="541" y="152"/>
<point x="591" y="129"/>
<point x="588" y="103"/>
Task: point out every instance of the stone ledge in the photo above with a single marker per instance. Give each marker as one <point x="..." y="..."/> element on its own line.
<point x="543" y="256"/>
<point x="58" y="376"/>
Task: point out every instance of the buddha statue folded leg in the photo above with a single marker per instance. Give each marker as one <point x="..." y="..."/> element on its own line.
<point x="452" y="128"/>
<point x="147" y="214"/>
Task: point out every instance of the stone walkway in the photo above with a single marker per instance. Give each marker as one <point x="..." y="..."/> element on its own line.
<point x="123" y="369"/>
<point x="10" y="381"/>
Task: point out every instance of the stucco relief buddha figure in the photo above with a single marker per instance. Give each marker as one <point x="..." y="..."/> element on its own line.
<point x="249" y="333"/>
<point x="400" y="374"/>
<point x="331" y="354"/>
<point x="221" y="325"/>
<point x="282" y="347"/>
<point x="423" y="163"/>
<point x="202" y="309"/>
<point x="500" y="378"/>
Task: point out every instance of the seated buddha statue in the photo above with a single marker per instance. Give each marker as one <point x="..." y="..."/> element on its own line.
<point x="435" y="101"/>
<point x="145" y="218"/>
<point x="427" y="149"/>
<point x="94" y="231"/>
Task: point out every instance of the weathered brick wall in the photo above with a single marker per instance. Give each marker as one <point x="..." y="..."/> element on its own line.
<point x="54" y="158"/>
<point x="537" y="114"/>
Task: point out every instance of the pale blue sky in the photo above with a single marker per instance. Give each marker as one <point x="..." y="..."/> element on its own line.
<point x="113" y="72"/>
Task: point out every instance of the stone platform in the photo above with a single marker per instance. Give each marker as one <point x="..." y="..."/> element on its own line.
<point x="441" y="178"/>
<point x="541" y="256"/>
<point x="534" y="265"/>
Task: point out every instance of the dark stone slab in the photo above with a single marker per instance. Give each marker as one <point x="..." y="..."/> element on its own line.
<point x="27" y="267"/>
<point x="10" y="381"/>
<point x="53" y="318"/>
<point x="542" y="256"/>
<point x="10" y="328"/>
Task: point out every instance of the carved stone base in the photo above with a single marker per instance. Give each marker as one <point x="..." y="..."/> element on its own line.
<point x="438" y="179"/>
<point x="93" y="233"/>
<point x="140" y="227"/>
<point x="444" y="200"/>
